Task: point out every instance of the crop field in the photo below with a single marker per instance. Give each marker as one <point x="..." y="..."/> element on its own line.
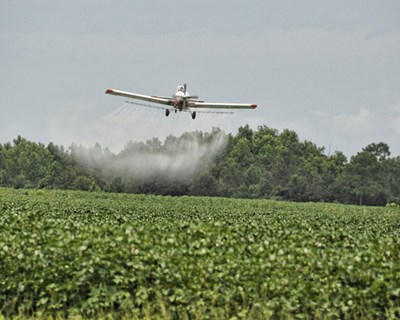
<point x="68" y="254"/>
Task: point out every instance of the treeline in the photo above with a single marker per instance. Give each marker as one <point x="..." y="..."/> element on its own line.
<point x="262" y="163"/>
<point x="26" y="164"/>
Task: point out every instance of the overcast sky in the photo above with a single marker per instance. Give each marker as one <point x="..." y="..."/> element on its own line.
<point x="329" y="70"/>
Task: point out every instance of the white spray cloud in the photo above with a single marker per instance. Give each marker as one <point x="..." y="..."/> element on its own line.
<point x="179" y="161"/>
<point x="128" y="122"/>
<point x="176" y="159"/>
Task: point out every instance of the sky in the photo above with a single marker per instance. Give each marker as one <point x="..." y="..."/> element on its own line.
<point x="329" y="70"/>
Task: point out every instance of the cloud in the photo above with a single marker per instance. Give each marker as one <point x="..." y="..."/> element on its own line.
<point x="329" y="71"/>
<point x="357" y="124"/>
<point x="349" y="132"/>
<point x="394" y="119"/>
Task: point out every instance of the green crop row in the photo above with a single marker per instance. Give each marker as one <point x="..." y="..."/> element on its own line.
<point x="69" y="254"/>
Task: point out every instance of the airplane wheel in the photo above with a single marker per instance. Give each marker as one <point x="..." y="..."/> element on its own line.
<point x="167" y="112"/>
<point x="194" y="115"/>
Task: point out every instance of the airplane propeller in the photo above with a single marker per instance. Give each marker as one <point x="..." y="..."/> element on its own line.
<point x="185" y="92"/>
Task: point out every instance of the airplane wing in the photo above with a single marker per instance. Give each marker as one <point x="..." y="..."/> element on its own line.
<point x="161" y="100"/>
<point x="212" y="105"/>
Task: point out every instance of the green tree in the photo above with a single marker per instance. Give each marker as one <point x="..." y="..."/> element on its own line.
<point x="204" y="184"/>
<point x="392" y="178"/>
<point x="379" y="150"/>
<point x="365" y="176"/>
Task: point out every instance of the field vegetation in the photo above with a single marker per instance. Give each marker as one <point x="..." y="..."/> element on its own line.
<point x="73" y="254"/>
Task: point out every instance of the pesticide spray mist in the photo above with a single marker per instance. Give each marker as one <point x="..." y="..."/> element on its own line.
<point x="178" y="159"/>
<point x="175" y="159"/>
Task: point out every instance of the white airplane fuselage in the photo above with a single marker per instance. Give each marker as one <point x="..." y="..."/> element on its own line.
<point x="181" y="98"/>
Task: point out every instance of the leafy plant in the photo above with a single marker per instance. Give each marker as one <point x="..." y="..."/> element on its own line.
<point x="75" y="254"/>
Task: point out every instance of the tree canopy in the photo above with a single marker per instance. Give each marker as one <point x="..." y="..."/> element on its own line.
<point x="262" y="163"/>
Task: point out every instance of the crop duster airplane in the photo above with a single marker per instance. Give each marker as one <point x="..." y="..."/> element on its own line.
<point x="181" y="101"/>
